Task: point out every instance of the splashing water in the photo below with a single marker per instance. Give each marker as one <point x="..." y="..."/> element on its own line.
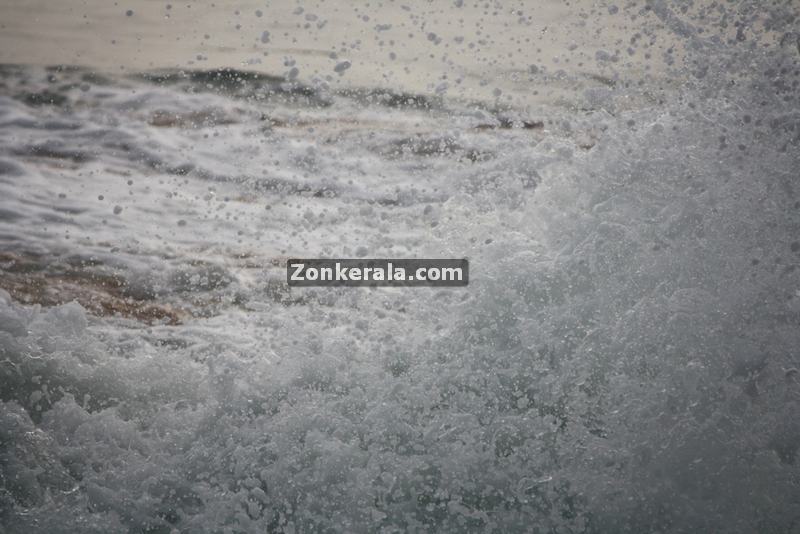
<point x="625" y="358"/>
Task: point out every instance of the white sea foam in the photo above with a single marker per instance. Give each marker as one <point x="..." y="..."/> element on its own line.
<point x="623" y="360"/>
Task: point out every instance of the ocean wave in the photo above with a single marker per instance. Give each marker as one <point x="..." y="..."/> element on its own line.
<point x="623" y="360"/>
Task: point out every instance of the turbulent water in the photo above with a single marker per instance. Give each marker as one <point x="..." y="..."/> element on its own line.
<point x="625" y="359"/>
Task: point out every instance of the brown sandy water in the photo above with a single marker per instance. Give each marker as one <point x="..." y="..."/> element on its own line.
<point x="489" y="51"/>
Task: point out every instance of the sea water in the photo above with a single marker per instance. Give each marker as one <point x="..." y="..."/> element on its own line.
<point x="624" y="359"/>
